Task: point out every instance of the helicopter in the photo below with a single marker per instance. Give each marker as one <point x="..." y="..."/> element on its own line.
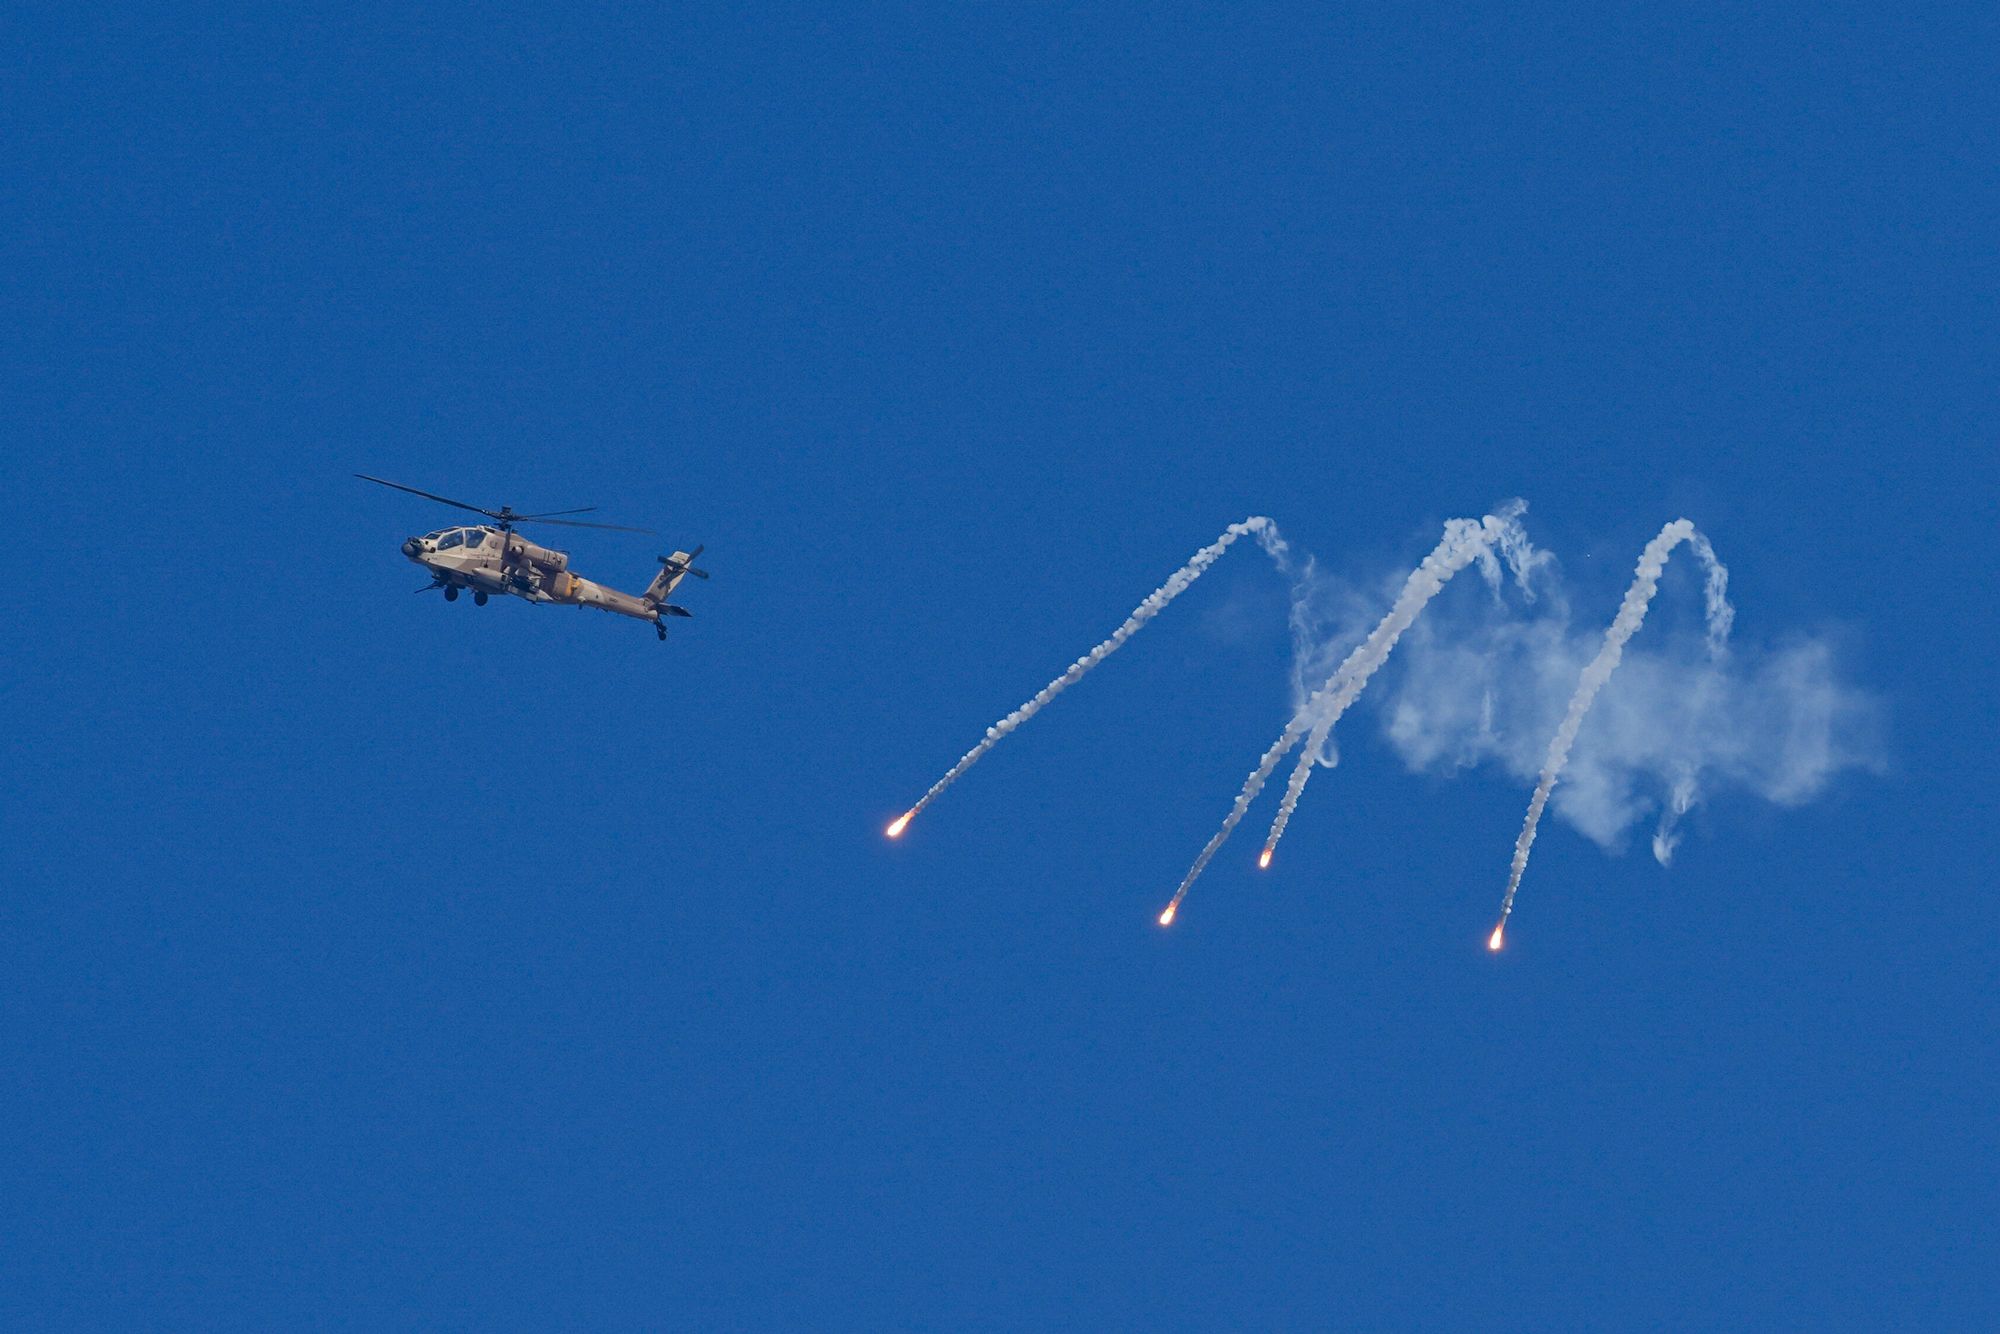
<point x="493" y="558"/>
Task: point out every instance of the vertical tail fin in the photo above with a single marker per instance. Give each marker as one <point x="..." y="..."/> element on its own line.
<point x="673" y="569"/>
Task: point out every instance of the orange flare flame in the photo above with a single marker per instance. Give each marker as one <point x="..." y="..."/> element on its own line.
<point x="1493" y="941"/>
<point x="1167" y="917"/>
<point x="899" y="824"/>
<point x="1264" y="860"/>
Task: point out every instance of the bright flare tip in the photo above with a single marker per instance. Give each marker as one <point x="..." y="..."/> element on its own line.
<point x="899" y="824"/>
<point x="1167" y="917"/>
<point x="1493" y="942"/>
<point x="1264" y="860"/>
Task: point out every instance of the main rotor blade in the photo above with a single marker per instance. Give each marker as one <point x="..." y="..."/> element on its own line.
<point x="505" y="516"/>
<point x="572" y="523"/>
<point x="442" y="500"/>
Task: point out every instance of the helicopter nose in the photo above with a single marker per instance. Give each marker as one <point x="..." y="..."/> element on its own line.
<point x="410" y="548"/>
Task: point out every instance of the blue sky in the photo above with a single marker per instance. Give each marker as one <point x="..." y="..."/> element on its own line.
<point x="367" y="961"/>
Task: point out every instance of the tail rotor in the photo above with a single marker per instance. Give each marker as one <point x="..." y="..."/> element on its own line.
<point x="679" y="563"/>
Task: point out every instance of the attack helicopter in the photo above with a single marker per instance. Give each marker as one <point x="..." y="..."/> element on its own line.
<point x="493" y="558"/>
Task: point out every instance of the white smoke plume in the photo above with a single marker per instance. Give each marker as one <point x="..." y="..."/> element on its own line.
<point x="1155" y="602"/>
<point x="1631" y="614"/>
<point x="1720" y="617"/>
<point x="1508" y="680"/>
<point x="1502" y="529"/>
<point x="1464" y="541"/>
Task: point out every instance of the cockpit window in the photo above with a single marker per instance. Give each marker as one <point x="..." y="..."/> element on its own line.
<point x="450" y="540"/>
<point x="474" y="537"/>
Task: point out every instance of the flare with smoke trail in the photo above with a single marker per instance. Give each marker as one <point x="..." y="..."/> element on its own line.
<point x="1631" y="614"/>
<point x="1331" y="701"/>
<point x="1676" y="742"/>
<point x="1464" y="541"/>
<point x="1267" y="534"/>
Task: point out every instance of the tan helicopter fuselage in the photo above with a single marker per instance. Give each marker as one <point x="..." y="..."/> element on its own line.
<point x="489" y="560"/>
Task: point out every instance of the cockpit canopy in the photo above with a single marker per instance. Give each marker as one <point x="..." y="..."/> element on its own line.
<point x="469" y="538"/>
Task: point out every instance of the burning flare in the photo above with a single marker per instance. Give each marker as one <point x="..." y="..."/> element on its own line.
<point x="899" y="824"/>
<point x="1264" y="860"/>
<point x="1493" y="942"/>
<point x="1167" y="917"/>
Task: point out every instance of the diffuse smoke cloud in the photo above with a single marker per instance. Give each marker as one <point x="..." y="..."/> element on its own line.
<point x="1678" y="724"/>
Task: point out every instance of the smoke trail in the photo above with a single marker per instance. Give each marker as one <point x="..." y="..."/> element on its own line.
<point x="1267" y="535"/>
<point x="1715" y="595"/>
<point x="1720" y="617"/>
<point x="1344" y="687"/>
<point x="1679" y="802"/>
<point x="1631" y="614"/>
<point x="1464" y="541"/>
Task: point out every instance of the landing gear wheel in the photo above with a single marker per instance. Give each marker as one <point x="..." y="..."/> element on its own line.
<point x="450" y="593"/>
<point x="661" y="631"/>
<point x="478" y="599"/>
